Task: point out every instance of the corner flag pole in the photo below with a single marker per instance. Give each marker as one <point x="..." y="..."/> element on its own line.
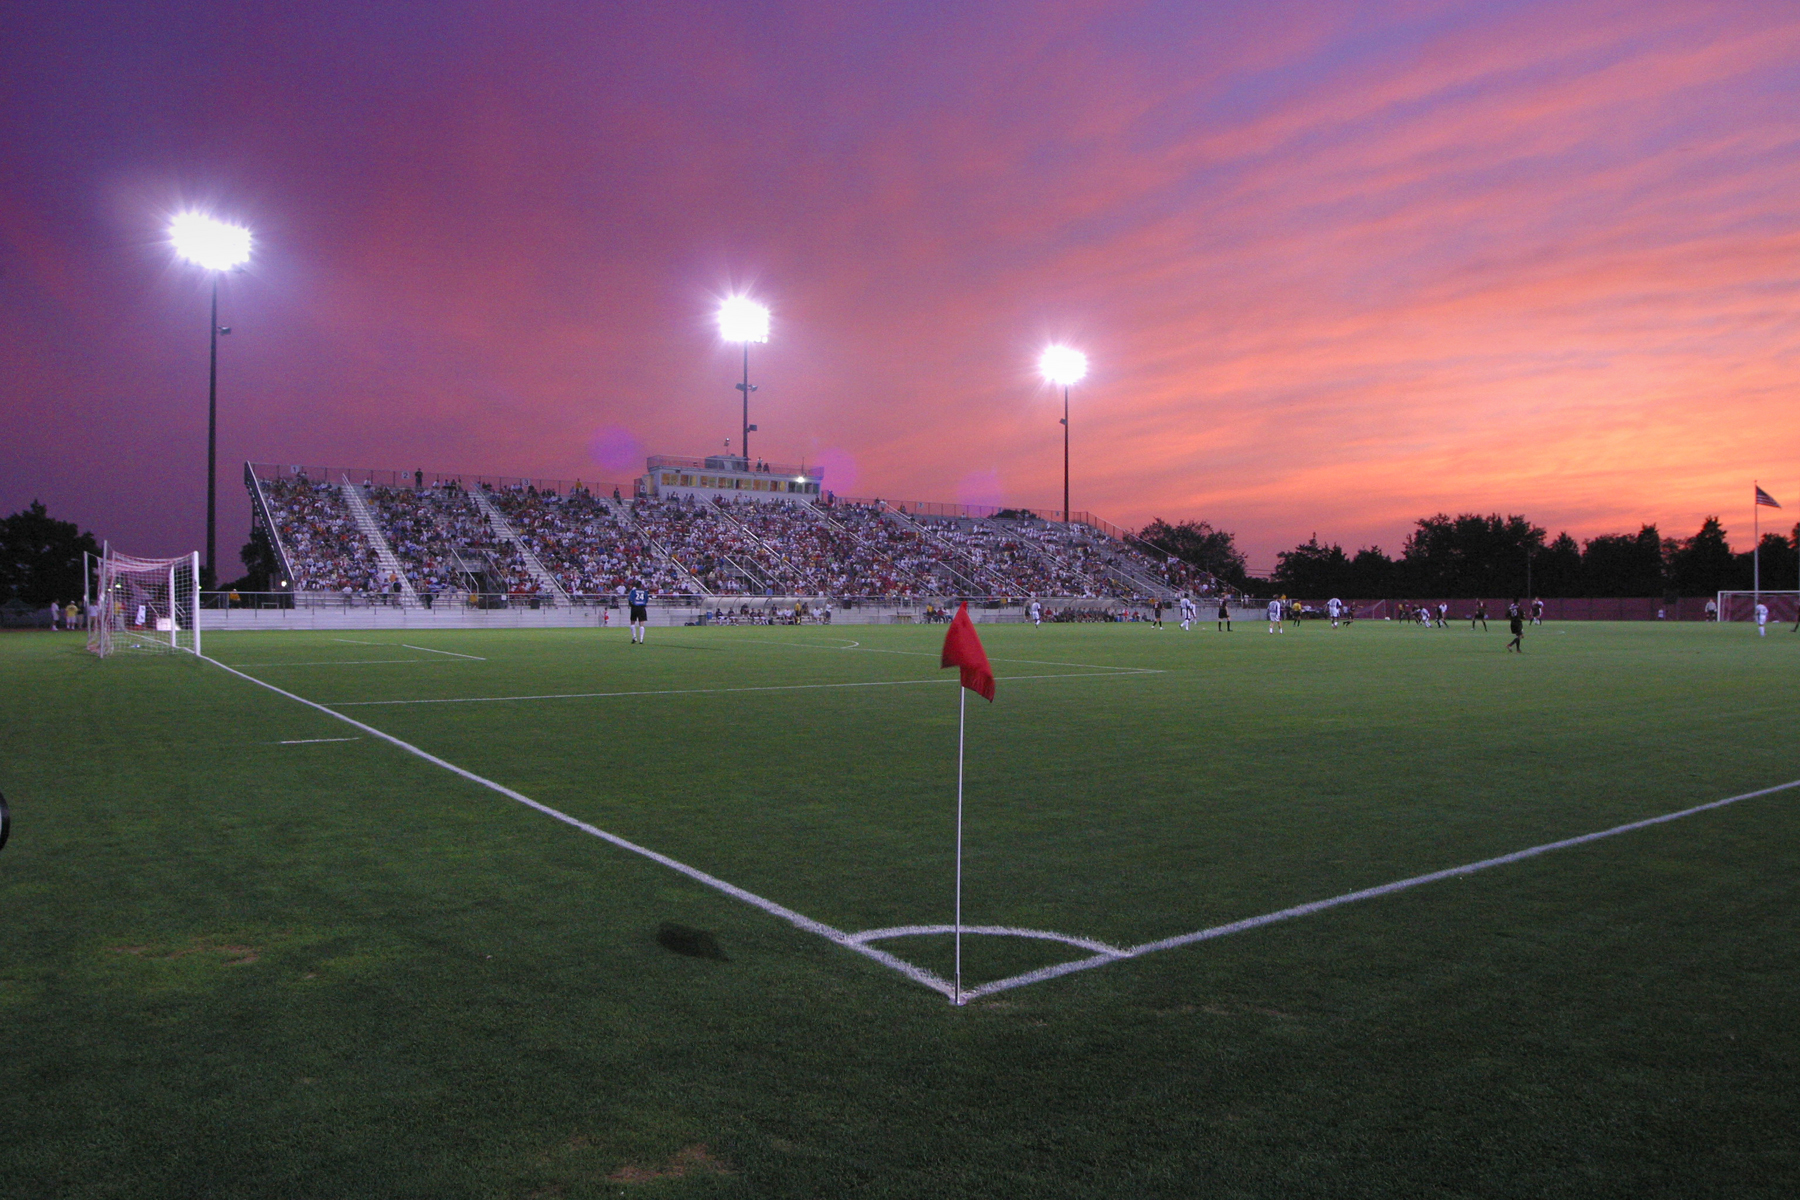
<point x="962" y="716"/>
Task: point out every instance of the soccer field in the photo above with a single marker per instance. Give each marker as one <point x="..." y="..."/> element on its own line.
<point x="254" y="949"/>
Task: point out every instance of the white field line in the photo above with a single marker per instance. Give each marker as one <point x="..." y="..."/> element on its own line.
<point x="1386" y="889"/>
<point x="313" y="741"/>
<point x="354" y="642"/>
<point x="775" y="687"/>
<point x="451" y="653"/>
<point x="916" y="974"/>
<point x="347" y="662"/>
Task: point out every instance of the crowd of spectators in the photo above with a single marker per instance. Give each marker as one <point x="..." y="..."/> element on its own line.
<point x="592" y="548"/>
<point x="325" y="548"/>
<point x="598" y="548"/>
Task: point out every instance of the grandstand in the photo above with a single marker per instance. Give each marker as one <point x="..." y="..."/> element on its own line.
<point x="696" y="531"/>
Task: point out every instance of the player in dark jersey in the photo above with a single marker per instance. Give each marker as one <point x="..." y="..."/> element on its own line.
<point x="1224" y="614"/>
<point x="639" y="599"/>
<point x="1515" y="615"/>
<point x="1480" y="615"/>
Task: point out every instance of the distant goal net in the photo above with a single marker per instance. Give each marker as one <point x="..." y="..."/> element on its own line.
<point x="1741" y="606"/>
<point x="146" y="604"/>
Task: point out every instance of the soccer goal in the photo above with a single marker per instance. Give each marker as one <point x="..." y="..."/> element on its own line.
<point x="1741" y="606"/>
<point x="146" y="604"/>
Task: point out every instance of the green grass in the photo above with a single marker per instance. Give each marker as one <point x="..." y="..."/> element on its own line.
<point x="238" y="968"/>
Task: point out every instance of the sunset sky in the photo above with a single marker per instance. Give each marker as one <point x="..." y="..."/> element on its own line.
<point x="1336" y="265"/>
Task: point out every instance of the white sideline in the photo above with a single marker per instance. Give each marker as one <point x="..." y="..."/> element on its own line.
<point x="799" y="921"/>
<point x="348" y="662"/>
<point x="777" y="687"/>
<point x="312" y="741"/>
<point x="1386" y="889"/>
<point x="451" y="653"/>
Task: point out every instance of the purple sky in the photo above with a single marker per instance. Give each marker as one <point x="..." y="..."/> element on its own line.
<point x="1336" y="265"/>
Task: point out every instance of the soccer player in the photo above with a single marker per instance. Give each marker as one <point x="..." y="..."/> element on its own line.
<point x="1224" y="613"/>
<point x="1156" y="606"/>
<point x="1516" y="615"/>
<point x="1762" y="619"/>
<point x="1188" y="613"/>
<point x="1480" y="615"/>
<point x="1275" y="615"/>
<point x="639" y="599"/>
<point x="1443" y="621"/>
<point x="1537" y="612"/>
<point x="1037" y="613"/>
<point x="1334" y="607"/>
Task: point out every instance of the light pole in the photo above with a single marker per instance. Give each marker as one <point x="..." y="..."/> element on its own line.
<point x="742" y="319"/>
<point x="217" y="247"/>
<point x="1061" y="365"/>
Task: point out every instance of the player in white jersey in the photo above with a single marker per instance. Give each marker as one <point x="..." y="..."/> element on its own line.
<point x="1188" y="613"/>
<point x="1275" y="616"/>
<point x="1037" y="612"/>
<point x="1762" y="619"/>
<point x="1334" y="608"/>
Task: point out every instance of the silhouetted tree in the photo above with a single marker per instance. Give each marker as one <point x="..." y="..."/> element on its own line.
<point x="1371" y="575"/>
<point x="1313" y="571"/>
<point x="1622" y="564"/>
<point x="1703" y="564"/>
<point x="1198" y="544"/>
<point x="40" y="557"/>
<point x="1556" y="569"/>
<point x="1778" y="565"/>
<point x="1469" y="555"/>
<point x="261" y="566"/>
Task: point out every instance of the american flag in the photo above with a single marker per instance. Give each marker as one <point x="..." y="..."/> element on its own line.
<point x="1763" y="498"/>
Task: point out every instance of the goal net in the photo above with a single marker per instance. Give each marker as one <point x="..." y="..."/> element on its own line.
<point x="1741" y="606"/>
<point x="146" y="604"/>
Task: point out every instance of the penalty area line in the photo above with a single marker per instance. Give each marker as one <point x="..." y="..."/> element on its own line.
<point x="798" y="920"/>
<point x="315" y="741"/>
<point x="1386" y="889"/>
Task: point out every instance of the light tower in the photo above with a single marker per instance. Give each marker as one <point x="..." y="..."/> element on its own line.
<point x="214" y="246"/>
<point x="1061" y="365"/>
<point x="742" y="319"/>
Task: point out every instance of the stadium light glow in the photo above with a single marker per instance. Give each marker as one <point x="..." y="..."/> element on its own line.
<point x="1062" y="365"/>
<point x="742" y="319"/>
<point x="208" y="242"/>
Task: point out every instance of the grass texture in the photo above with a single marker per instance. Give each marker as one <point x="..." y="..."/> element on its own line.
<point x="241" y="961"/>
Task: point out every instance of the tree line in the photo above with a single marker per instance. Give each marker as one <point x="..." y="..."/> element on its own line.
<point x="1472" y="555"/>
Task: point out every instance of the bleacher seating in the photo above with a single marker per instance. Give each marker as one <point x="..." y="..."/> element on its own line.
<point x="597" y="548"/>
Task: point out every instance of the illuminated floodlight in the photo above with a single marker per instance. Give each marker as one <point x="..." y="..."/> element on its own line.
<point x="742" y="319"/>
<point x="208" y="242"/>
<point x="1061" y="365"/>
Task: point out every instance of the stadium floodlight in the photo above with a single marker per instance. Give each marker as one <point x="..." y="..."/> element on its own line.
<point x="215" y="246"/>
<point x="208" y="242"/>
<point x="742" y="319"/>
<point x="1063" y="366"/>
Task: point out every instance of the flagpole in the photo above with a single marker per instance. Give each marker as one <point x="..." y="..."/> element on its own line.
<point x="1756" y="543"/>
<point x="962" y="714"/>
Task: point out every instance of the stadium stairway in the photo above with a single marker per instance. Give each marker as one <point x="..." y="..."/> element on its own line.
<point x="791" y="575"/>
<point x="546" y="581"/>
<point x="971" y="572"/>
<point x="371" y="531"/>
<point x="622" y="509"/>
<point x="919" y="579"/>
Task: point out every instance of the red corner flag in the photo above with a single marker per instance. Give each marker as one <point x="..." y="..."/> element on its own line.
<point x="962" y="648"/>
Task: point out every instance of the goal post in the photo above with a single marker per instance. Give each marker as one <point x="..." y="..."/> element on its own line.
<point x="1741" y="606"/>
<point x="148" y="604"/>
